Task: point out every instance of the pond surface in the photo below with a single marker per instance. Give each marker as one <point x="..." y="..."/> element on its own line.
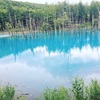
<point x="34" y="62"/>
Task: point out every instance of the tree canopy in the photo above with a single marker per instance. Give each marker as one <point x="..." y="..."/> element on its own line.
<point x="43" y="17"/>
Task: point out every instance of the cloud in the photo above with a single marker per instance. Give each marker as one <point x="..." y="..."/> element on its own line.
<point x="86" y="54"/>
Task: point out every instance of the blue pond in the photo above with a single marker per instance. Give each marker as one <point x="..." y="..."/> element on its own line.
<point x="36" y="61"/>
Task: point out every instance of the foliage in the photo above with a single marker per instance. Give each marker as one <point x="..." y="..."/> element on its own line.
<point x="78" y="91"/>
<point x="46" y="27"/>
<point x="94" y="90"/>
<point x="56" y="94"/>
<point x="45" y="16"/>
<point x="7" y="93"/>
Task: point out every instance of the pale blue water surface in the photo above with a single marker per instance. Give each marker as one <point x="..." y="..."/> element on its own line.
<point x="34" y="62"/>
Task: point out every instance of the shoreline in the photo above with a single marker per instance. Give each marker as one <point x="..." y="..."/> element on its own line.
<point x="78" y="89"/>
<point x="7" y="34"/>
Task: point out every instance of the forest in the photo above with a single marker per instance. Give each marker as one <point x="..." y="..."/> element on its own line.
<point x="31" y="17"/>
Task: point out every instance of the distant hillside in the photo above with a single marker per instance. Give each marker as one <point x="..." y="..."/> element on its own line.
<point x="25" y="4"/>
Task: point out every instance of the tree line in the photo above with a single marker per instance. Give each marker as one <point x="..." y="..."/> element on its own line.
<point x="24" y="16"/>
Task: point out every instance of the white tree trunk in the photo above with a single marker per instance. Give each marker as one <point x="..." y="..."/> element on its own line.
<point x="99" y="21"/>
<point x="92" y="21"/>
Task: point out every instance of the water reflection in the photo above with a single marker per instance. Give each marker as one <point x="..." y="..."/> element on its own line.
<point x="61" y="42"/>
<point x="53" y="60"/>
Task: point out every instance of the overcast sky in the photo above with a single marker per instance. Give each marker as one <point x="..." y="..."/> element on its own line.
<point x="55" y="1"/>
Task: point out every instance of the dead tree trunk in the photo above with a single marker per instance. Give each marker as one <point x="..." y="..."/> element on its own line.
<point x="10" y="20"/>
<point x="69" y="15"/>
<point x="99" y="21"/>
<point x="63" y="22"/>
<point x="15" y="20"/>
<point x="22" y="27"/>
<point x="92" y="21"/>
<point x="30" y="24"/>
<point x="26" y="23"/>
<point x="55" y="27"/>
<point x="72" y="21"/>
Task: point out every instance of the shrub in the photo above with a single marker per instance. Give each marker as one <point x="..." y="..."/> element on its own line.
<point x="7" y="93"/>
<point x="78" y="89"/>
<point x="94" y="90"/>
<point x="56" y="94"/>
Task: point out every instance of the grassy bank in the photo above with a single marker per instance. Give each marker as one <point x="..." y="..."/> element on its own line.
<point x="78" y="91"/>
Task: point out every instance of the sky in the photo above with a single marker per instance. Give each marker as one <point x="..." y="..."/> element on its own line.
<point x="55" y="1"/>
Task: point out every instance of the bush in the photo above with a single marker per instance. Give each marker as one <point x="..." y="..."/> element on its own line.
<point x="78" y="91"/>
<point x="56" y="94"/>
<point x="7" y="93"/>
<point x="94" y="90"/>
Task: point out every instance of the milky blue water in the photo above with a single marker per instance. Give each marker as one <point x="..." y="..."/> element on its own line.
<point x="34" y="62"/>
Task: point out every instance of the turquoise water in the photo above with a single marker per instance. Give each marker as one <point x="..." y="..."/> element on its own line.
<point x="34" y="62"/>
